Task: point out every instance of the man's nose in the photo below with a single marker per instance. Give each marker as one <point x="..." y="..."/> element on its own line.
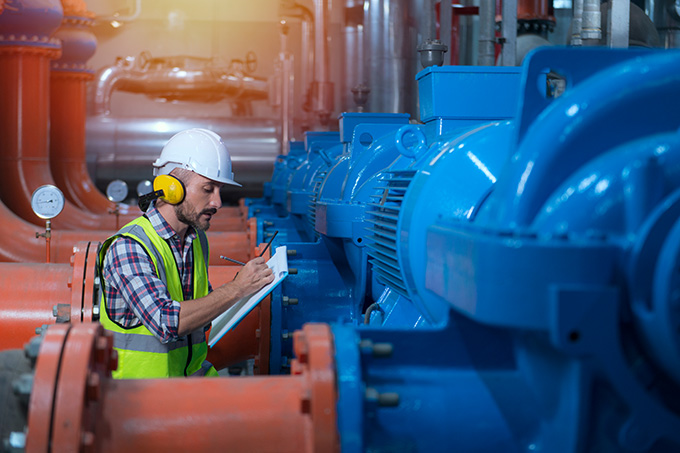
<point x="216" y="199"/>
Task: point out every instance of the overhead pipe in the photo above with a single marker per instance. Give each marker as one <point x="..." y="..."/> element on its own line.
<point x="24" y="82"/>
<point x="75" y="405"/>
<point x="323" y="95"/>
<point x="128" y="145"/>
<point x="174" y="78"/>
<point x="68" y="78"/>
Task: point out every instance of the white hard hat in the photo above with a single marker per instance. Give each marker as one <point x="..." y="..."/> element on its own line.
<point x="198" y="150"/>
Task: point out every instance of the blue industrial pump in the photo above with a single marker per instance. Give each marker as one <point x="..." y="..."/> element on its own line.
<point x="548" y="292"/>
<point x="526" y="267"/>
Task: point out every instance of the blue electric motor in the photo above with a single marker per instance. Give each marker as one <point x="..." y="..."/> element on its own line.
<point x="545" y="282"/>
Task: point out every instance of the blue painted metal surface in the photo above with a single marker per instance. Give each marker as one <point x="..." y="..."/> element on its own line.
<point x="574" y="256"/>
<point x="529" y="265"/>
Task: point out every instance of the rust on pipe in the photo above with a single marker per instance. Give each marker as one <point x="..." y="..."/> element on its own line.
<point x="75" y="405"/>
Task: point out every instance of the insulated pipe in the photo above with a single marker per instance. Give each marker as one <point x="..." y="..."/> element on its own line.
<point x="75" y="405"/>
<point x="173" y="78"/>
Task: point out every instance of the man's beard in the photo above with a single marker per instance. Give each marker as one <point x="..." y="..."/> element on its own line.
<point x="186" y="213"/>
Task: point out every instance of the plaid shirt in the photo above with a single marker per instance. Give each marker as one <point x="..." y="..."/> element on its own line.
<point x="134" y="293"/>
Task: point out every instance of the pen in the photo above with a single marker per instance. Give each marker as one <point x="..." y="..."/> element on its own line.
<point x="270" y="242"/>
<point x="232" y="260"/>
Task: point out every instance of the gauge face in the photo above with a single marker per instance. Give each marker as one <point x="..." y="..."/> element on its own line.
<point x="144" y="187"/>
<point x="117" y="191"/>
<point x="47" y="201"/>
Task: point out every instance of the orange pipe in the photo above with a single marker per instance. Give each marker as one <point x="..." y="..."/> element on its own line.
<point x="76" y="406"/>
<point x="24" y="164"/>
<point x="28" y="302"/>
<point x="67" y="143"/>
<point x="29" y="291"/>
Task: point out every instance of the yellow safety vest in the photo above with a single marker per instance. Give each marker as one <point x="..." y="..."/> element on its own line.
<point x="140" y="354"/>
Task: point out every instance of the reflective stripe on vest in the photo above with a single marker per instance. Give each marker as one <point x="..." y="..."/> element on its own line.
<point x="140" y="353"/>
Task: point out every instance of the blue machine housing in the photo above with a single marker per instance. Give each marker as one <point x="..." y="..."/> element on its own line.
<point x="548" y="274"/>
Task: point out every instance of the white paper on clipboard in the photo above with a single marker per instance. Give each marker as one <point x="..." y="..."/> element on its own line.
<point x="234" y="314"/>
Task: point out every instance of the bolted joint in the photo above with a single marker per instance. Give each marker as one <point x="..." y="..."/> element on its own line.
<point x="289" y="301"/>
<point x="387" y="399"/>
<point x="15" y="443"/>
<point x="32" y="348"/>
<point x="378" y="350"/>
<point x="93" y="389"/>
<point x="62" y="312"/>
<point x="22" y="387"/>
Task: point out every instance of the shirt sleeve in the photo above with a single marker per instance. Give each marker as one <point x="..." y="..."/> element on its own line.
<point x="129" y="270"/>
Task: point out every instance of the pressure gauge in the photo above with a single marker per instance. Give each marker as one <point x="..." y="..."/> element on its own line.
<point x="47" y="201"/>
<point x="144" y="187"/>
<point x="117" y="191"/>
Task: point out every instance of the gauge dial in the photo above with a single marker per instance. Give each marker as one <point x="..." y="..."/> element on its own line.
<point x="47" y="201"/>
<point x="144" y="187"/>
<point x="117" y="191"/>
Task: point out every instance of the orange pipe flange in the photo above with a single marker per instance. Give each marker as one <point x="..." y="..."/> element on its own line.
<point x="91" y="411"/>
<point x="37" y="294"/>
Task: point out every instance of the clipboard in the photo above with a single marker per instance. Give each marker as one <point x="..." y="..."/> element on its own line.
<point x="234" y="314"/>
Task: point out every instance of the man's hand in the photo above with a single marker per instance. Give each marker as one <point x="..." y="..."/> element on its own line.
<point x="254" y="275"/>
<point x="197" y="313"/>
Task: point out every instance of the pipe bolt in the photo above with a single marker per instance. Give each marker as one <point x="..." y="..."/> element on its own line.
<point x="289" y="301"/>
<point x="93" y="390"/>
<point x="22" y="387"/>
<point x="87" y="441"/>
<point x="387" y="399"/>
<point x="378" y="350"/>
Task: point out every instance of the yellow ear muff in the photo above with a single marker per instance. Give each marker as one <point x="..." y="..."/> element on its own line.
<point x="167" y="188"/>
<point x="173" y="188"/>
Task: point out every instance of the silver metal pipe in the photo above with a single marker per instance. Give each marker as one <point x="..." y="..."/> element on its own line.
<point x="354" y="53"/>
<point x="618" y="24"/>
<point x="445" y="20"/>
<point x="428" y="28"/>
<point x="175" y="78"/>
<point x="390" y="57"/>
<point x="591" y="26"/>
<point x="509" y="33"/>
<point x="124" y="148"/>
<point x="577" y="23"/>
<point x="322" y="92"/>
<point x="487" y="25"/>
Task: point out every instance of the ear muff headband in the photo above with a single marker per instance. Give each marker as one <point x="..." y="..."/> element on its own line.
<point x="166" y="187"/>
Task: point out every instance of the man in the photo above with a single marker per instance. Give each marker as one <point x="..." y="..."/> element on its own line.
<point x="156" y="298"/>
